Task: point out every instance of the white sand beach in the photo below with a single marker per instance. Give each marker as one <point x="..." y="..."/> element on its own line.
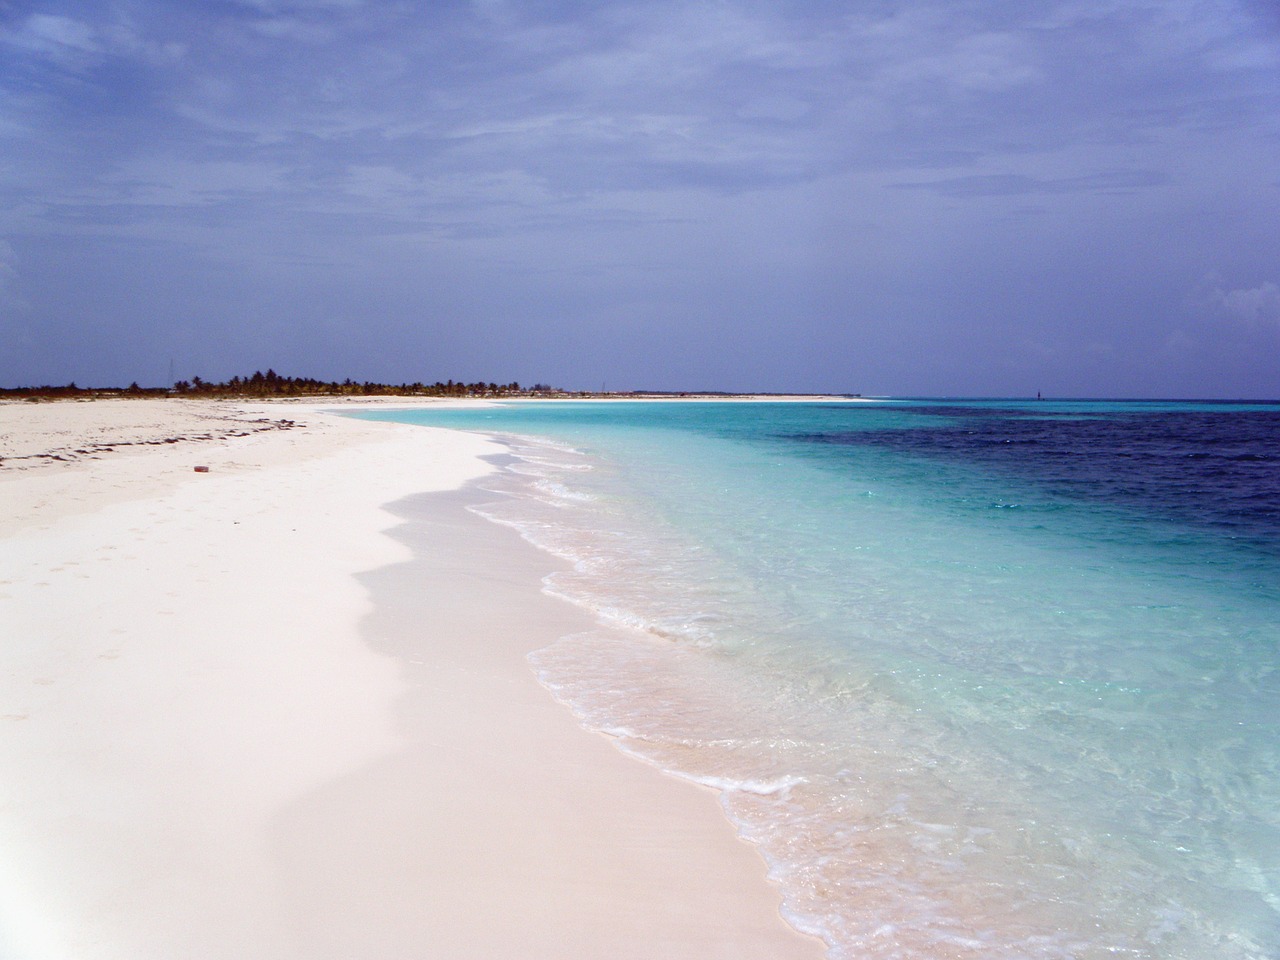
<point x="280" y="709"/>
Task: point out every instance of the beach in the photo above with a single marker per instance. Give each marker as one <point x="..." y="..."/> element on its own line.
<point x="280" y="707"/>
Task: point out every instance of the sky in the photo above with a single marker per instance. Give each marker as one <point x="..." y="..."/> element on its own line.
<point x="916" y="198"/>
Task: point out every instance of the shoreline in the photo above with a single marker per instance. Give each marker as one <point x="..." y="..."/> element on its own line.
<point x="282" y="709"/>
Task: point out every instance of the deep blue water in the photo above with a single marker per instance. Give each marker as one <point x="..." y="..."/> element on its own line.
<point x="981" y="678"/>
<point x="1214" y="466"/>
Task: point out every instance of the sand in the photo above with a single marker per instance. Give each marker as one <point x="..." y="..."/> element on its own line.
<point x="280" y="709"/>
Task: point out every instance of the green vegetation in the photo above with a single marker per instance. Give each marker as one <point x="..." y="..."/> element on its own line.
<point x="271" y="384"/>
<point x="71" y="391"/>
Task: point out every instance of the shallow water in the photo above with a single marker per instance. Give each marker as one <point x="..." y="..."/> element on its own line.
<point x="981" y="679"/>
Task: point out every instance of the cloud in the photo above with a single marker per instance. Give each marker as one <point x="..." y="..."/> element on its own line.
<point x="166" y="182"/>
<point x="8" y="276"/>
<point x="1256" y="306"/>
<point x="1179" y="344"/>
<point x="1017" y="185"/>
<point x="76" y="44"/>
<point x="987" y="62"/>
<point x="296" y="30"/>
<point x="299" y="6"/>
<point x="987" y="164"/>
<point x="59" y="38"/>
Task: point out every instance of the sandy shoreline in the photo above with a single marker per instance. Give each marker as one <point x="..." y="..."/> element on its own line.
<point x="281" y="710"/>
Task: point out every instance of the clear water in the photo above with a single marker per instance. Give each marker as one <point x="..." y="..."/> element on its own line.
<point x="980" y="679"/>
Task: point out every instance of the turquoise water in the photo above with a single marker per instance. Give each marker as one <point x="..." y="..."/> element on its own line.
<point x="980" y="679"/>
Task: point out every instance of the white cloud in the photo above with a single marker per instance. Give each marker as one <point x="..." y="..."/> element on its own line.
<point x="296" y="30"/>
<point x="1180" y="343"/>
<point x="73" y="43"/>
<point x="379" y="183"/>
<point x="120" y="39"/>
<point x="779" y="108"/>
<point x="273" y="7"/>
<point x="659" y="50"/>
<point x="939" y="47"/>
<point x="55" y="30"/>
<point x="8" y="274"/>
<point x="984" y="63"/>
<point x="60" y="38"/>
<point x="167" y="182"/>
<point x="1255" y="305"/>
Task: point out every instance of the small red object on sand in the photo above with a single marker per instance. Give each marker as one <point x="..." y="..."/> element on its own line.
<point x="202" y="469"/>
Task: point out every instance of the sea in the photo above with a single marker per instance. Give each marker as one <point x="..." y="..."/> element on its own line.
<point x="979" y="678"/>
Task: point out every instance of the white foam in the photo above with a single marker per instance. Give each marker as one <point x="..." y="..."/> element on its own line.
<point x="779" y="786"/>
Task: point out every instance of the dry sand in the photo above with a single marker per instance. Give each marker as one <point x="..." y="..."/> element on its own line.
<point x="281" y="710"/>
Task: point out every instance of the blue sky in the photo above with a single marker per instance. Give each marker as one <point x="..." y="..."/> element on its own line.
<point x="982" y="197"/>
